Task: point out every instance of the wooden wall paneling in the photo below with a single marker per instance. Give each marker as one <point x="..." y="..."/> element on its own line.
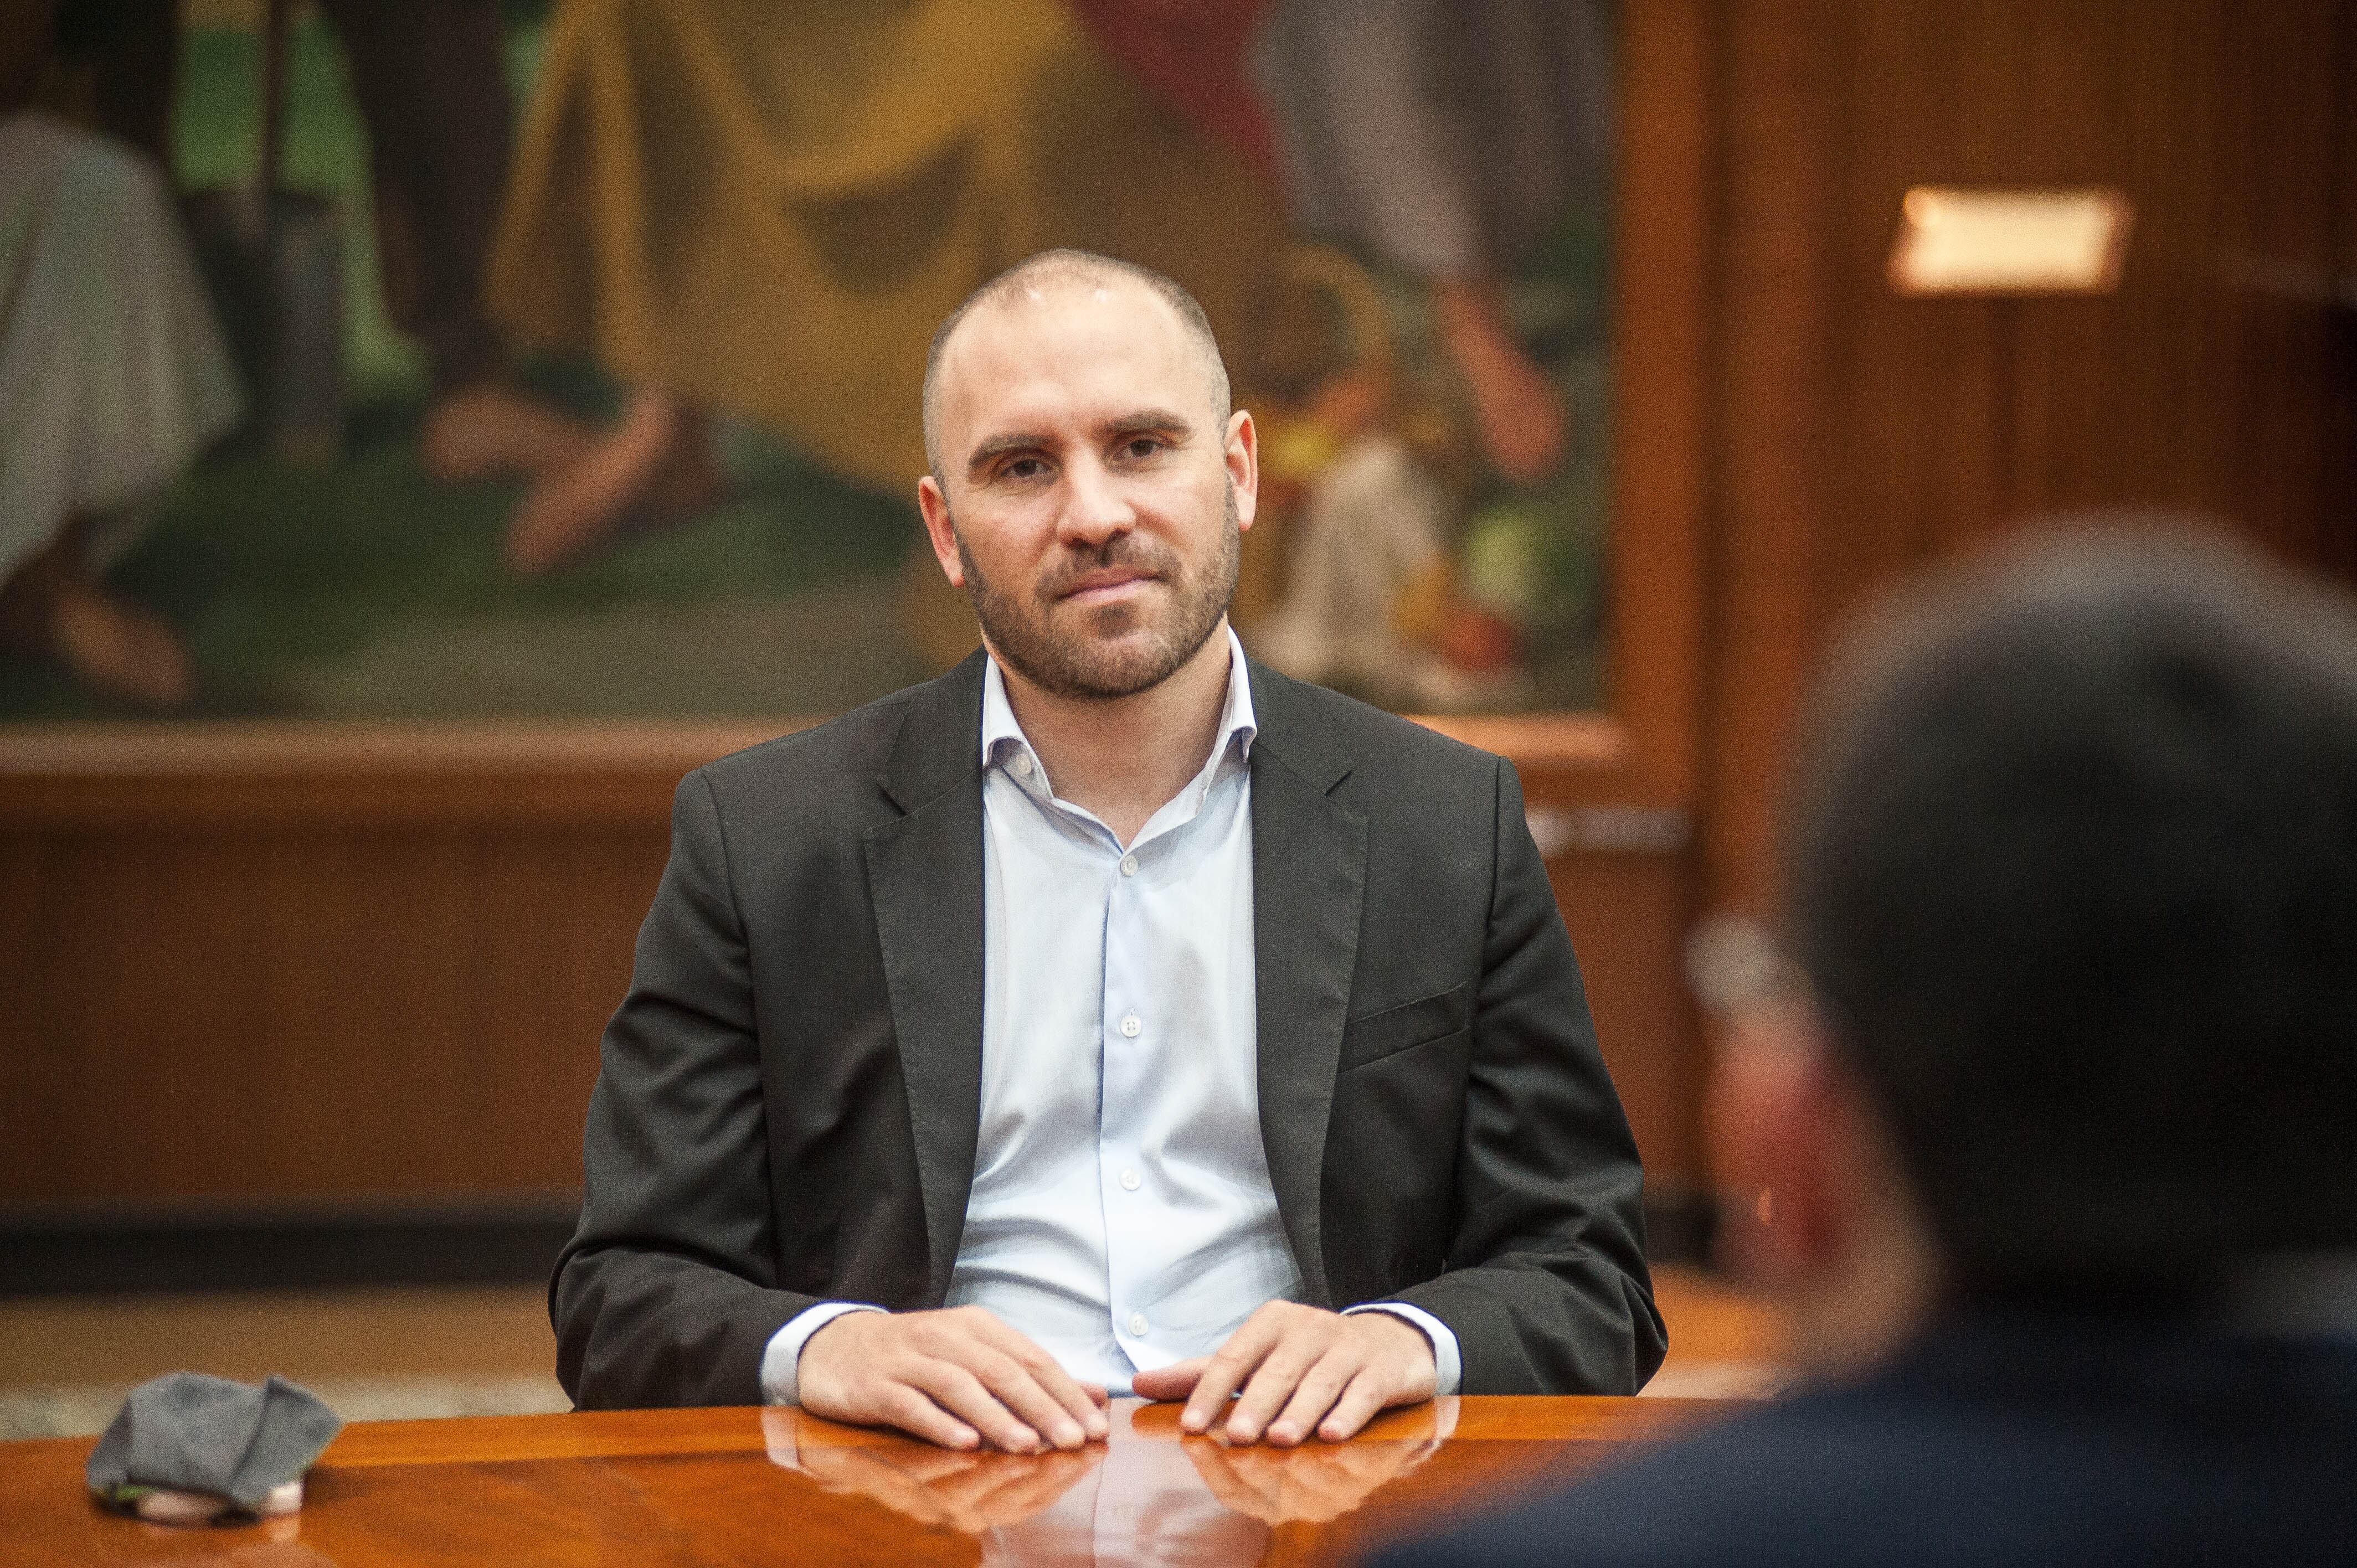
<point x="1668" y="127"/>
<point x="558" y="915"/>
<point x="1860" y="434"/>
<point x="2197" y="386"/>
<point x="154" y="981"/>
<point x="2338" y="553"/>
<point x="367" y="1026"/>
<point x="314" y="1016"/>
<point x="1773" y="336"/>
<point x="1627" y="915"/>
<point x="2344" y="143"/>
<point x="35" y="1048"/>
<point x="344" y="1012"/>
<point x="1926" y="463"/>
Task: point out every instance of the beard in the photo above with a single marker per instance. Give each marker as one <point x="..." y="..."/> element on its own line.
<point x="1110" y="650"/>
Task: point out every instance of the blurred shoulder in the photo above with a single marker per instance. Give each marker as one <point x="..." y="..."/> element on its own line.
<point x="1785" y="1486"/>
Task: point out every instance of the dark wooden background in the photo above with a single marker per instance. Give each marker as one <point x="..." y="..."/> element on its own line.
<point x="348" y="966"/>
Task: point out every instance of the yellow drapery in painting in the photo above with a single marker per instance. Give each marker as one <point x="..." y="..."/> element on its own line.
<point x="769" y="207"/>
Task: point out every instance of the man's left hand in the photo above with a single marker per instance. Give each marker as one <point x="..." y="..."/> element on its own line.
<point x="1301" y="1369"/>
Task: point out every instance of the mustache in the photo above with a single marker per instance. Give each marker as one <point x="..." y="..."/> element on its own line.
<point x="1127" y="551"/>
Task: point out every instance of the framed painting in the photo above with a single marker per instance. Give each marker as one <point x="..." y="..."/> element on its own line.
<point x="561" y="366"/>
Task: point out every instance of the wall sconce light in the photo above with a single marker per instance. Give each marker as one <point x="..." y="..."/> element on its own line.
<point x="1957" y="241"/>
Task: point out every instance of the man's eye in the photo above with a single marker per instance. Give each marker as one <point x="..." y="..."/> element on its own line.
<point x="1142" y="446"/>
<point x="1024" y="469"/>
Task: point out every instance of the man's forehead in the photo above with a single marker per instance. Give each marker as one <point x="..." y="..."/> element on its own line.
<point x="1047" y="287"/>
<point x="1058" y="341"/>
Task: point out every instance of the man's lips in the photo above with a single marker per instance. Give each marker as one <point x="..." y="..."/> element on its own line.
<point x="1104" y="587"/>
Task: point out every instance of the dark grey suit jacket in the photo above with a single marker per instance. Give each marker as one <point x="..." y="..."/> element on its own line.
<point x="787" y="1107"/>
<point x="2005" y="1437"/>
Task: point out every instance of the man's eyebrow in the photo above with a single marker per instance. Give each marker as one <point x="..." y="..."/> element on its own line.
<point x="997" y="446"/>
<point x="1150" y="419"/>
<point x="1135" y="423"/>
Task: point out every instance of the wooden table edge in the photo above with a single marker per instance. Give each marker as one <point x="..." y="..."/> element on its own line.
<point x="590" y="1435"/>
<point x="612" y="1434"/>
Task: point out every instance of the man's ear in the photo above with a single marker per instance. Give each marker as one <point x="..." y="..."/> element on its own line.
<point x="935" y="505"/>
<point x="1784" y="1128"/>
<point x="1242" y="458"/>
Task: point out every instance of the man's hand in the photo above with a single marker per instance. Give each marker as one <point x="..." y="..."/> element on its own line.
<point x="1309" y="1368"/>
<point x="958" y="1378"/>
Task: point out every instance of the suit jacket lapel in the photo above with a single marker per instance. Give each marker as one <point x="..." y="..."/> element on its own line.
<point x="924" y="871"/>
<point x="1309" y="879"/>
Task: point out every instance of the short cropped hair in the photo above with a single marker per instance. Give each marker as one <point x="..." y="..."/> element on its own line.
<point x="2072" y="870"/>
<point x="1070" y="266"/>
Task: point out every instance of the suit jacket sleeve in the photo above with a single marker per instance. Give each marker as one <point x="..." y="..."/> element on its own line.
<point x="1545" y="1283"/>
<point x="666" y="1293"/>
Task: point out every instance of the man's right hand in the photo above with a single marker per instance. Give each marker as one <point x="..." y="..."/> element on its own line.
<point x="957" y="1377"/>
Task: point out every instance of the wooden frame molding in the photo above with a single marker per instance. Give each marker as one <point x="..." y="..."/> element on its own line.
<point x="305" y="773"/>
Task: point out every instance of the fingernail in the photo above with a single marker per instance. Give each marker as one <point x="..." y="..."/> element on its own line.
<point x="1097" y="1426"/>
<point x="1068" y="1436"/>
<point x="1282" y="1433"/>
<point x="1193" y="1420"/>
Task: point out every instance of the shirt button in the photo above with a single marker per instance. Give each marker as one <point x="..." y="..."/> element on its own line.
<point x="1137" y="1325"/>
<point x="1129" y="865"/>
<point x="1022" y="765"/>
<point x="1130" y="1026"/>
<point x="1129" y="1181"/>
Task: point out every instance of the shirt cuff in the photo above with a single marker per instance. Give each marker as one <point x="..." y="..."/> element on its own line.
<point x="779" y="1361"/>
<point x="1447" y="1366"/>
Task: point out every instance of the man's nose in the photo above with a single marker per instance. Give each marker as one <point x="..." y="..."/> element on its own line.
<point x="1094" y="508"/>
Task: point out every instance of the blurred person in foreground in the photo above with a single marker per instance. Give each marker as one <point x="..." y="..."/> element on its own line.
<point x="2056" y="1119"/>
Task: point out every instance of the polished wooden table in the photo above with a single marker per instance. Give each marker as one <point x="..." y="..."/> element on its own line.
<point x="651" y="1488"/>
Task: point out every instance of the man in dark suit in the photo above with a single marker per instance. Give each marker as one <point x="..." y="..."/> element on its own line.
<point x="2055" y="1110"/>
<point x="1112" y="1010"/>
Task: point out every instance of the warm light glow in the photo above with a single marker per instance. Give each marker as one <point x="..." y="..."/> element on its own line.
<point x="1959" y="242"/>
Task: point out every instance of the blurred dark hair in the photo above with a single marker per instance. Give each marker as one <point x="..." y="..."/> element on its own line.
<point x="2073" y="871"/>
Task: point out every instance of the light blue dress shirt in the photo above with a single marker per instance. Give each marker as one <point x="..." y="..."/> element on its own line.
<point x="1121" y="1215"/>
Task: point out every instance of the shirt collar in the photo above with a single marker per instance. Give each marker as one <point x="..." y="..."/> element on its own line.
<point x="1238" y="724"/>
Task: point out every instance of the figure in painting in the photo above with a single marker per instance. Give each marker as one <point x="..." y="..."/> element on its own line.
<point x="1439" y="144"/>
<point x="1438" y="139"/>
<point x="756" y="211"/>
<point x="113" y="378"/>
<point x="764" y="210"/>
<point x="1363" y="488"/>
<point x="429" y="80"/>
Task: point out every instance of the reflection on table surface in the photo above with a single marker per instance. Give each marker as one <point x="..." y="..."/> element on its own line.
<point x="773" y="1486"/>
<point x="1125" y="1500"/>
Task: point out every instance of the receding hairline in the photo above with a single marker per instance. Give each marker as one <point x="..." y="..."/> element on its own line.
<point x="1070" y="267"/>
